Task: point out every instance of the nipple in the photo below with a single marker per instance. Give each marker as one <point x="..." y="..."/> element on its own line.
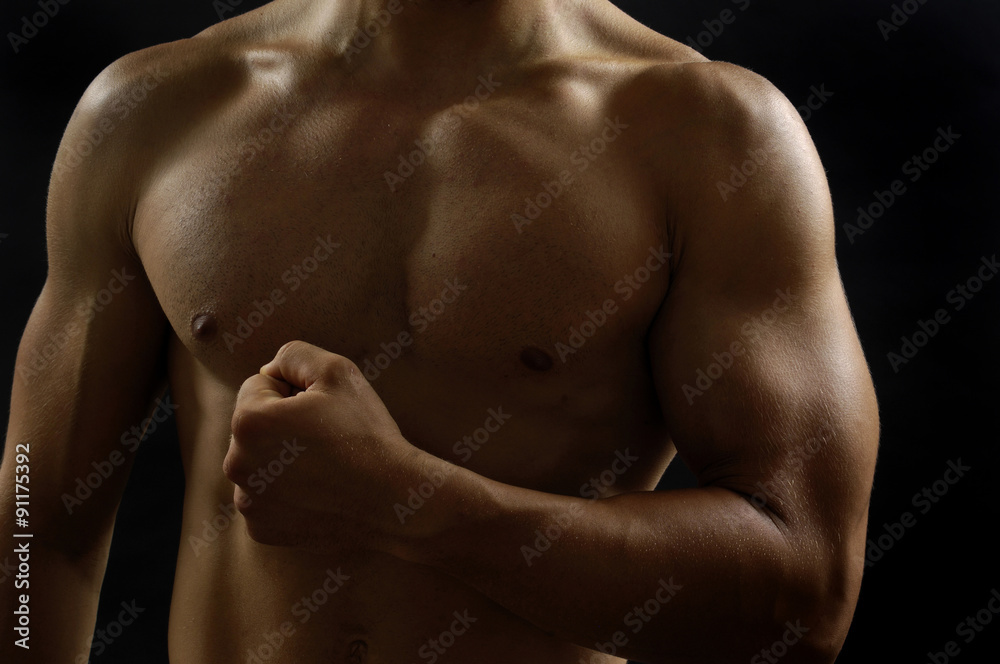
<point x="536" y="359"/>
<point x="204" y="326"/>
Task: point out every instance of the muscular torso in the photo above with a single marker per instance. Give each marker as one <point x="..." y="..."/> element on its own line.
<point x="270" y="217"/>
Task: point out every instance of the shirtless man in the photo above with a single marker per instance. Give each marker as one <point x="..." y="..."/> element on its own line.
<point x="525" y="252"/>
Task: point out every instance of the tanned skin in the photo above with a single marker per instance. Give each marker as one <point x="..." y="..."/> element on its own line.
<point x="258" y="163"/>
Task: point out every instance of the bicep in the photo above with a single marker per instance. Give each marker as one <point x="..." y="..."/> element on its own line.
<point x="770" y="400"/>
<point x="90" y="356"/>
<point x="759" y="369"/>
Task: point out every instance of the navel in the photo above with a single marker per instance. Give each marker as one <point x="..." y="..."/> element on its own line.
<point x="204" y="326"/>
<point x="357" y="652"/>
<point x="536" y="359"/>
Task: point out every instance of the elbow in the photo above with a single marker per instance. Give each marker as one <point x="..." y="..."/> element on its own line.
<point x="806" y="589"/>
<point x="815" y="614"/>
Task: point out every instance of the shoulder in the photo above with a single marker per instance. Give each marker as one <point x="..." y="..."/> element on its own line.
<point x="131" y="116"/>
<point x="702" y="120"/>
<point x="674" y="81"/>
<point x="688" y="112"/>
<point x="144" y="99"/>
<point x="735" y="166"/>
<point x="714" y="105"/>
<point x="155" y="81"/>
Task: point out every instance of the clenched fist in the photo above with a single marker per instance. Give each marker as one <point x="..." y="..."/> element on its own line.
<point x="317" y="459"/>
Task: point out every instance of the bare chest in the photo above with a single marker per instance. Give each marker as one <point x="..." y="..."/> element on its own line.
<point x="466" y="239"/>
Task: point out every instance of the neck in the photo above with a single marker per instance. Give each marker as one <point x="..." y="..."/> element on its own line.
<point x="410" y="34"/>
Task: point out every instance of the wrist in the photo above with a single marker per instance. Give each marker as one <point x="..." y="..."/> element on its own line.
<point x="439" y="499"/>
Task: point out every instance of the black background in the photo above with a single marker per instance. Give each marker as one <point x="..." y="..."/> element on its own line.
<point x="889" y="98"/>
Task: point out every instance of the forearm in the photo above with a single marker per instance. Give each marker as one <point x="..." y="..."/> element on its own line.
<point x="696" y="575"/>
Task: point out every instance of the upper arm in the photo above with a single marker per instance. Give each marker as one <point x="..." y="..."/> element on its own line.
<point x="89" y="359"/>
<point x="759" y="369"/>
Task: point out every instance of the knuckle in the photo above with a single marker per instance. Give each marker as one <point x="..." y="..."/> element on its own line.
<point x="232" y="468"/>
<point x="229" y="467"/>
<point x="290" y="348"/>
<point x="248" y="423"/>
<point x="338" y="367"/>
